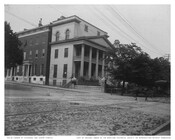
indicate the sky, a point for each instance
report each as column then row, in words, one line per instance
column 146, row 25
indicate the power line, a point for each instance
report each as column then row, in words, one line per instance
column 131, row 27
column 50, row 6
column 113, row 24
column 104, row 21
column 24, row 20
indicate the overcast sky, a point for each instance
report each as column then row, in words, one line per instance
column 146, row 25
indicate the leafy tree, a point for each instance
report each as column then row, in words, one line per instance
column 120, row 58
column 13, row 53
column 127, row 62
column 141, row 72
column 160, row 69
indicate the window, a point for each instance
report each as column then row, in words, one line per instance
column 56, row 53
column 17, row 68
column 41, row 79
column 24, row 55
column 66, row 52
column 34, row 79
column 36, row 41
column 30, row 42
column 25, row 43
column 55, row 71
column 65, row 71
column 43, row 40
column 57, row 35
column 67, row 34
column 86, row 28
column 36, row 54
column 98, row 33
column 43, row 52
column 30, row 53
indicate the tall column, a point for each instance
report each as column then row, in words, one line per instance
column 30, row 70
column 11, row 72
column 96, row 69
column 23, row 69
column 73, row 62
column 15, row 71
column 90, row 62
column 82, row 60
column 103, row 64
column 27, row 70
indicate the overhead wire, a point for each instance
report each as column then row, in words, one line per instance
column 124, row 34
column 115, row 25
column 126, row 22
column 24, row 20
column 103, row 19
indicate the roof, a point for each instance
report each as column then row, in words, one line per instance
column 61, row 21
column 28, row 30
column 98, row 40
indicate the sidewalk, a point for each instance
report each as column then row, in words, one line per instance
column 46, row 86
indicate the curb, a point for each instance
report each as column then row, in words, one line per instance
column 163, row 127
column 50, row 87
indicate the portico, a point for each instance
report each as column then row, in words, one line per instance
column 27, row 71
column 88, row 61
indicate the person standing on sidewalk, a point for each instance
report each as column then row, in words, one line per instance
column 74, row 81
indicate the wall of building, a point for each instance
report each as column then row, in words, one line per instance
column 62, row 29
column 76, row 30
column 31, row 44
column 92, row 31
column 60, row 61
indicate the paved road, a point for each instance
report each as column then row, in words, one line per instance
column 17, row 92
column 21, row 91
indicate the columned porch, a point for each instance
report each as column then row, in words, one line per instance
column 88, row 62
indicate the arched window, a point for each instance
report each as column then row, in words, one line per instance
column 57, row 35
column 67, row 33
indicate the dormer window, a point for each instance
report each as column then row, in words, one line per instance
column 67, row 34
column 86, row 28
column 57, row 35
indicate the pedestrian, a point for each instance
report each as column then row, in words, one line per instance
column 146, row 94
column 136, row 92
column 74, row 81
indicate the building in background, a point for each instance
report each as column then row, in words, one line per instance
column 64, row 48
column 77, row 49
column 35, row 45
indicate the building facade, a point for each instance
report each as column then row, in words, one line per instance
column 35, row 45
column 77, row 49
column 66, row 47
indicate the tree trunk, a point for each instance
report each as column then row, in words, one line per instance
column 123, row 88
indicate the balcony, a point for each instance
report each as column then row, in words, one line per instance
column 86, row 59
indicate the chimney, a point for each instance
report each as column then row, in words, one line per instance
column 116, row 43
column 40, row 23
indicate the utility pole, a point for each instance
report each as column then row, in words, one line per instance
column 167, row 56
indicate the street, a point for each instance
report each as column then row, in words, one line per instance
column 41, row 111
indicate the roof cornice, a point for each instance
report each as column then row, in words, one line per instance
column 82, row 38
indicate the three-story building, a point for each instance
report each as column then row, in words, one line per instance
column 77, row 49
column 64, row 48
